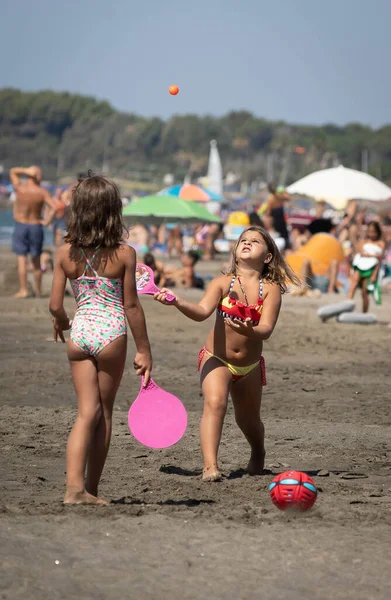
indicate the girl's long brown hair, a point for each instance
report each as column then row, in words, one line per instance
column 277, row 270
column 95, row 216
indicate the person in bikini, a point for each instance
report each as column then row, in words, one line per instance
column 185, row 277
column 101, row 270
column 28, row 233
column 247, row 302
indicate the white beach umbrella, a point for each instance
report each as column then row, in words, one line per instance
column 338, row 185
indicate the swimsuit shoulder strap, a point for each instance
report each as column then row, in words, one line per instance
column 89, row 262
column 260, row 288
column 232, row 284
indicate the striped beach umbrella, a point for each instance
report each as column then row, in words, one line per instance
column 189, row 191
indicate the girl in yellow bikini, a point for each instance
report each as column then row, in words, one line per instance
column 247, row 302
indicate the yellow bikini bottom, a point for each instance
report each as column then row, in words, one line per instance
column 236, row 371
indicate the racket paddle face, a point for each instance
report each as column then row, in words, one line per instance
column 157, row 419
column 146, row 284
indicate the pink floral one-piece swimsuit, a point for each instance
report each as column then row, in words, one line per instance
column 100, row 316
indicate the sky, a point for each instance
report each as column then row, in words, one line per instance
column 301, row 61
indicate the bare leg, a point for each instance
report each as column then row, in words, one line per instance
column 178, row 241
column 305, row 276
column 375, row 273
column 161, row 234
column 36, row 262
column 215, row 384
column 306, row 273
column 333, row 274
column 209, row 243
column 22, row 272
column 354, row 284
column 246, row 396
column 110, row 363
column 365, row 296
column 170, row 242
column 85, row 379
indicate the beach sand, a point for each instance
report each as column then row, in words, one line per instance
column 167, row 535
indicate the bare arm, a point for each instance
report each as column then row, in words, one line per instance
column 136, row 318
column 52, row 208
column 206, row 306
column 66, row 196
column 61, row 320
column 270, row 311
column 16, row 173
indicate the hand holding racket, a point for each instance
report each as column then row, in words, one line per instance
column 164, row 296
column 143, row 366
column 146, row 285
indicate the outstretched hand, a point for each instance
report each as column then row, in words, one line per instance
column 245, row 328
column 161, row 296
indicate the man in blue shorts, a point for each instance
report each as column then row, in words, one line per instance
column 27, row 238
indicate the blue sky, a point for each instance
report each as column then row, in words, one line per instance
column 303, row 61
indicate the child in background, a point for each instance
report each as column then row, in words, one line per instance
column 366, row 264
column 101, row 271
column 247, row 301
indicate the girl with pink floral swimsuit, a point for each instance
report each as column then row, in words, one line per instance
column 102, row 272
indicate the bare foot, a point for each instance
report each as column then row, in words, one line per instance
column 21, row 295
column 298, row 291
column 315, row 293
column 83, row 498
column 256, row 464
column 211, row 473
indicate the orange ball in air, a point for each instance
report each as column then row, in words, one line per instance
column 173, row 89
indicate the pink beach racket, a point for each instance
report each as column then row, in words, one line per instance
column 156, row 418
column 145, row 282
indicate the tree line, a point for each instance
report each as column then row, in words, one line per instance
column 67, row 133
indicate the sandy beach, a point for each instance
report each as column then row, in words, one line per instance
column 167, row 535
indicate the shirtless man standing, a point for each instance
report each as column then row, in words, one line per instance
column 28, row 233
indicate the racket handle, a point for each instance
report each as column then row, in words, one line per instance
column 170, row 298
column 151, row 384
